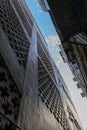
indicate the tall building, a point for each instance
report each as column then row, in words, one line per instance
column 79, row 56
column 33, row 95
column 69, row 58
column 69, row 19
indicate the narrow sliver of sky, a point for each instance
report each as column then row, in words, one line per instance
column 45, row 24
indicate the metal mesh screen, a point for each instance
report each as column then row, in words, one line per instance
column 50, row 96
column 11, row 26
column 10, row 97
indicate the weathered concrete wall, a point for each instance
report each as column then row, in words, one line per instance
column 29, row 107
column 34, row 114
column 47, row 119
column 16, row 70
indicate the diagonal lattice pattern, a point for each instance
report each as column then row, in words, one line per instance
column 27, row 22
column 10, row 97
column 50, row 96
column 45, row 60
column 12, row 28
column 42, row 41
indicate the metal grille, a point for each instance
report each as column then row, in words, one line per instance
column 50, row 96
column 45, row 60
column 11, row 26
column 10, row 97
column 28, row 24
column 7, row 124
column 72, row 118
column 42, row 42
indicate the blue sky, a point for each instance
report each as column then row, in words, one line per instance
column 47, row 27
column 45, row 24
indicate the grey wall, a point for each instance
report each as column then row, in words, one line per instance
column 34, row 114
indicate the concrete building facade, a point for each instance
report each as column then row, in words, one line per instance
column 69, row 58
column 80, row 57
column 33, row 95
column 70, row 23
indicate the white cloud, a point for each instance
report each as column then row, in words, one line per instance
column 53, row 39
column 53, row 42
column 80, row 104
